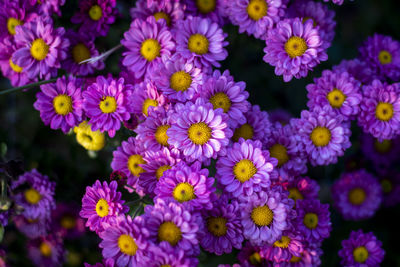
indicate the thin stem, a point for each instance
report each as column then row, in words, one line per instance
column 137, row 210
column 3, row 92
column 102, row 56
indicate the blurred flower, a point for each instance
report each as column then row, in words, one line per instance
column 90, row 140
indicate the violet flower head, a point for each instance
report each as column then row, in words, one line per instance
column 303, row 188
column 46, row 251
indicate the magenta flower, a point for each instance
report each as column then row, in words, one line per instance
column 66, row 221
column 46, row 251
column 215, row 10
column 303, row 188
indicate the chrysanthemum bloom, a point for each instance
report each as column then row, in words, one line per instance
column 47, row 7
column 223, row 92
column 294, row 48
column 100, row 204
column 380, row 110
column 35, row 193
column 170, row 11
column 382, row 154
column 60, row 104
column 290, row 245
column 90, row 140
column 245, row 168
column 200, row 132
column 360, row 70
column 313, row 220
column 255, row 17
column 106, row 104
column 147, row 42
column 128, row 159
column 283, row 145
column 32, row 227
column 200, row 40
column 361, row 249
column 338, row 90
column 303, row 188
column 81, row 48
column 166, row 255
column 265, row 215
column 309, row 257
column 177, row 78
column 357, row 195
column 95, row 16
column 187, row 184
column 66, row 221
column 124, row 240
column 168, row 221
column 46, row 251
column 41, row 48
column 279, row 115
column 16, row 74
column 257, row 125
column 382, row 53
column 249, row 256
column 216, row 10
column 319, row 14
column 157, row 162
column 144, row 98
column 390, row 184
column 324, row 134
column 223, row 229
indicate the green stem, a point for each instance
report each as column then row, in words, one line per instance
column 3, row 92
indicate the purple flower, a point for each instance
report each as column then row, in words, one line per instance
column 41, row 48
column 47, row 7
column 257, row 125
column 265, row 215
column 147, row 42
column 216, row 10
column 46, row 251
column 361, row 249
column 66, row 221
column 338, row 90
column 95, row 16
column 255, row 17
column 310, row 257
column 294, row 48
column 169, row 222
column 313, row 220
column 382, row 53
column 245, row 168
column 60, row 103
column 166, row 255
column 279, row 115
column 290, row 245
column 360, row 70
column 100, row 204
column 187, row 184
column 324, row 134
column 200, row 40
column 303, row 188
column 32, row 227
column 380, row 110
column 223, row 229
column 223, row 92
column 124, row 240
column 357, row 195
column 200, row 132
column 249, row 256
column 390, row 184
column 106, row 102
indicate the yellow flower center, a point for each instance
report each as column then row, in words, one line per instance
column 32, row 196
column 198, row 44
column 262, row 215
column 12, row 23
column 384, row 111
column 68, row 222
column 160, row 171
column 279, row 152
column 385, row 57
column 255, row 259
column 39, row 49
column 307, row 18
column 295, row 46
column 180, row 81
column 295, row 259
column 150, row 49
column 134, row 162
column 336, row 98
column 221, row 100
column 217, row 226
column 383, row 147
column 360, row 254
column 283, row 243
column 15, row 67
column 169, row 232
column 163, row 15
column 295, row 194
column 199, row 133
column 87, row 138
column 108, row 104
column 102, row 207
column 80, row 52
column 244, row 170
column 310, row 220
column 161, row 135
column 206, row 6
column 45, row 249
column 245, row 131
column 148, row 103
column 320, row 136
column 256, row 9
column 357, row 196
column 387, row 186
column 95, row 12
column 183, row 192
column 62, row 104
column 127, row 245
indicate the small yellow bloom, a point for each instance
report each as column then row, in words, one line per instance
column 91, row 140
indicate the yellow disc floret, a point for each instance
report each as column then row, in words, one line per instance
column 150, row 49
column 320, row 136
column 221, row 100
column 385, row 57
column 161, row 134
column 295, row 194
column 255, row 259
column 183, row 192
column 134, row 162
column 11, row 24
column 384, row 111
column 39, row 49
column 62, row 104
column 357, row 196
column 283, row 243
column 68, row 222
column 45, row 249
column 262, row 215
column 127, row 245
column 244, row 170
column 15, row 67
column 383, row 147
column 360, row 254
column 279, row 152
column 80, row 52
column 256, row 9
column 32, row 196
column 310, row 220
column 206, row 6
column 160, row 171
column 169, row 232
column 198, row 44
column 102, row 207
column 163, row 15
column 95, row 12
column 108, row 104
column 336, row 98
column 199, row 133
column 180, row 81
column 148, row 103
column 217, row 226
column 245, row 131
column 295, row 46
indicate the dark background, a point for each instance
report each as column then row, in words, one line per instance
column 23, row 135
